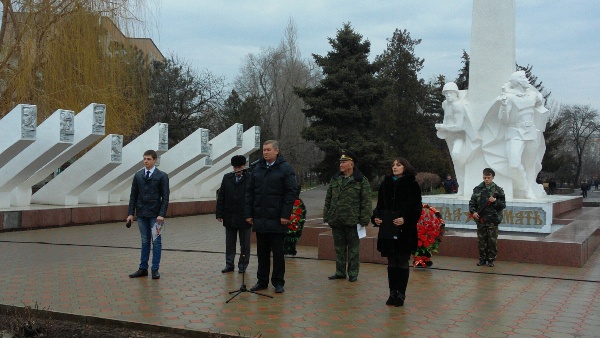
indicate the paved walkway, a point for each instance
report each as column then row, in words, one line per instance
column 83, row 270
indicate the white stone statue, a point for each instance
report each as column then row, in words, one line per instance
column 522, row 120
column 457, row 130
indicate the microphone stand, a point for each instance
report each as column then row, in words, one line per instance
column 243, row 289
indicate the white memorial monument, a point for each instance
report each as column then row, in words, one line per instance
column 221, row 146
column 497, row 123
column 88, row 132
column 184, row 154
column 18, row 130
column 65, row 188
column 207, row 183
column 53, row 136
column 132, row 160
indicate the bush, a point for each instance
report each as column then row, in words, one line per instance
column 428, row 182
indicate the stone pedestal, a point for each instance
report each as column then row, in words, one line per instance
column 533, row 216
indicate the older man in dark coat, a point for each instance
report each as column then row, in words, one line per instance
column 270, row 196
column 230, row 211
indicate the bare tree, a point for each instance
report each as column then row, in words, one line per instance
column 271, row 77
column 579, row 123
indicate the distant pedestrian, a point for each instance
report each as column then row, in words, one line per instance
column 149, row 200
column 596, row 183
column 552, row 186
column 450, row 185
column 486, row 205
column 584, row 188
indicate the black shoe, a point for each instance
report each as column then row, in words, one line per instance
column 352, row 279
column 279, row 289
column 336, row 277
column 490, row 264
column 227, row 269
column 481, row 262
column 258, row 287
column 155, row 274
column 139, row 273
column 400, row 299
column 242, row 270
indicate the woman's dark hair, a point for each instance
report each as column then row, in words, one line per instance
column 408, row 168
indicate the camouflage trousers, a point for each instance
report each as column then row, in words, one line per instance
column 347, row 249
column 487, row 241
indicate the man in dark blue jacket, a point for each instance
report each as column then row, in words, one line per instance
column 230, row 211
column 149, row 200
column 270, row 195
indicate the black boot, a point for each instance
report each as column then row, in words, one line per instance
column 393, row 283
column 392, row 298
column 402, row 284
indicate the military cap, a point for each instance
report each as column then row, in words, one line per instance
column 347, row 155
column 238, row 161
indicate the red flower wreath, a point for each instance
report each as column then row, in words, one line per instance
column 430, row 229
column 298, row 217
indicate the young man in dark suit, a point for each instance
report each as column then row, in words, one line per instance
column 149, row 200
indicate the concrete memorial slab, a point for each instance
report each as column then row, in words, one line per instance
column 132, row 154
column 207, row 183
column 190, row 150
column 90, row 128
column 221, row 146
column 65, row 188
column 18, row 130
column 53, row 136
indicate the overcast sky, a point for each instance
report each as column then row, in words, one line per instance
column 558, row 37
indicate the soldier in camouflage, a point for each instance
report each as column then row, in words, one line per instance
column 485, row 206
column 347, row 204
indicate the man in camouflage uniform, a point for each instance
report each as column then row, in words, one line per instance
column 485, row 206
column 347, row 204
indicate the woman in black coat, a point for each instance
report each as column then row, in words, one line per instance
column 397, row 213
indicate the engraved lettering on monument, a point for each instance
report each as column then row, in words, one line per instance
column 67, row 126
column 116, row 150
column 99, row 119
column 28, row 122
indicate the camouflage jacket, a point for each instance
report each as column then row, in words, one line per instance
column 348, row 200
column 491, row 213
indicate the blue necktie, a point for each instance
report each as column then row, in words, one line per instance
column 148, row 174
